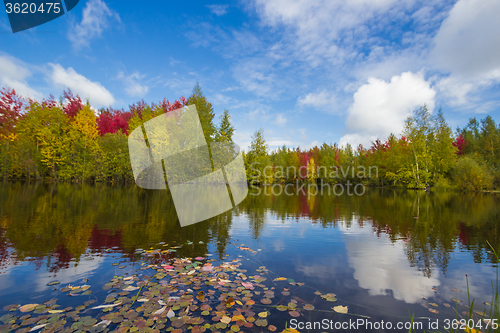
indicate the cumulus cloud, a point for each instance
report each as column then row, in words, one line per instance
column 322, row 100
column 96, row 16
column 132, row 85
column 468, row 48
column 13, row 74
column 218, row 10
column 79, row 84
column 380, row 108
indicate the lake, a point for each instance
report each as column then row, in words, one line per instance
column 281, row 260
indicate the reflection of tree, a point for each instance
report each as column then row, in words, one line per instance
column 431, row 224
column 61, row 221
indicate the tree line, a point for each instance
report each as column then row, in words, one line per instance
column 68, row 140
column 427, row 154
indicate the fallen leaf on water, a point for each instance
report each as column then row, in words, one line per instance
column 263, row 314
column 53, row 283
column 37, row 327
column 309, row 307
column 105, row 306
column 294, row 313
column 280, row 279
column 433, row 304
column 225, row 320
column 247, row 285
column 433, row 310
column 456, row 290
column 27, row 307
column 55, row 311
column 340, row 309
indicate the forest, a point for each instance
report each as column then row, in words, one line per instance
column 68, row 140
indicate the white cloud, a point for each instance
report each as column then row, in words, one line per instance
column 280, row 119
column 318, row 26
column 322, row 100
column 132, row 86
column 95, row 18
column 218, row 10
column 254, row 75
column 467, row 43
column 79, row 84
column 13, row 74
column 468, row 47
column 380, row 108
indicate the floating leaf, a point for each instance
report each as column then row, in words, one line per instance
column 263, row 314
column 261, row 322
column 456, row 300
column 456, row 290
column 28, row 307
column 294, row 313
column 433, row 304
column 272, row 328
column 309, row 307
column 37, row 327
column 265, row 301
column 340, row 309
column 53, row 283
column 433, row 310
column 280, row 279
column 282, row 308
column 225, row 320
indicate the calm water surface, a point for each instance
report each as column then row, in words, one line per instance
column 385, row 254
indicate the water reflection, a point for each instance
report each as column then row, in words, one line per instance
column 55, row 224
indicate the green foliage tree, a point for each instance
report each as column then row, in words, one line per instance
column 257, row 159
column 205, row 112
column 224, row 132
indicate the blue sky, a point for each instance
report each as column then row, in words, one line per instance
column 307, row 72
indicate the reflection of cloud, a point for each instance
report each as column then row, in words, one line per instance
column 382, row 267
column 66, row 276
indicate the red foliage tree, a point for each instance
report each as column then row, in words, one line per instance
column 11, row 106
column 73, row 104
column 112, row 121
column 461, row 144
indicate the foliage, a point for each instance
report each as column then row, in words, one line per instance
column 205, row 112
column 471, row 175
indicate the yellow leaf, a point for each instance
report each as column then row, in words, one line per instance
column 238, row 317
column 340, row 309
column 280, row 279
column 263, row 314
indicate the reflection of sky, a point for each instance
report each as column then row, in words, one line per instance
column 383, row 268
